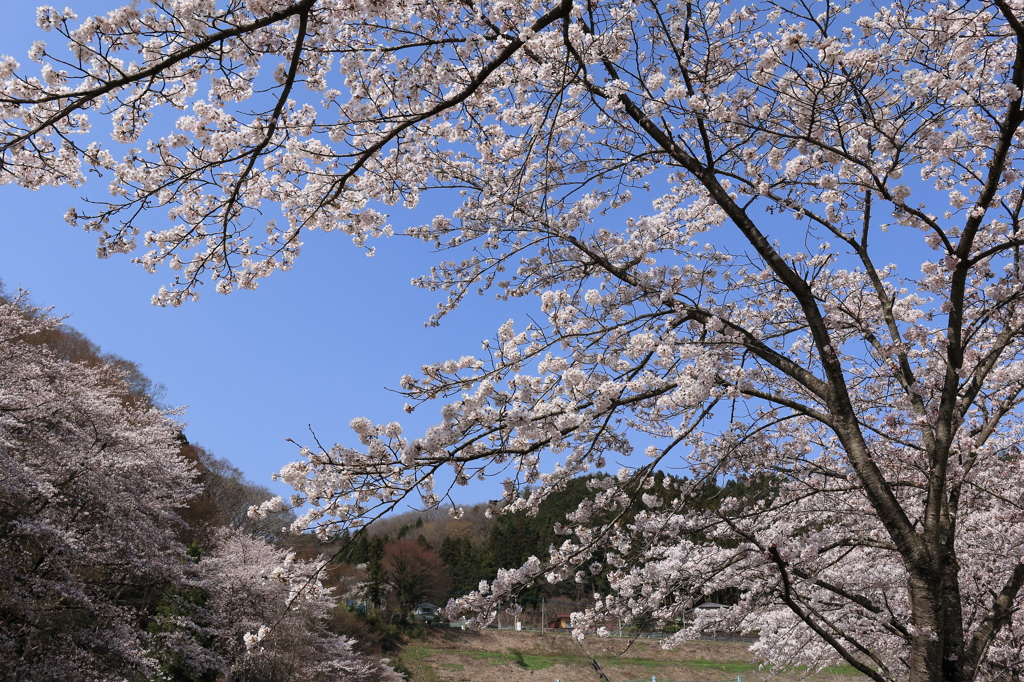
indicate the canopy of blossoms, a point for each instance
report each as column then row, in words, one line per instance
column 799, row 218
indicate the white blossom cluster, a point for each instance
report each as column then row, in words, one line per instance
column 90, row 482
column 820, row 299
column 96, row 584
column 273, row 608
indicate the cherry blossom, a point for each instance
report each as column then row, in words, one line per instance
column 88, row 497
column 775, row 243
column 271, row 609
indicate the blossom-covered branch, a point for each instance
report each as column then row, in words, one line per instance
column 821, row 296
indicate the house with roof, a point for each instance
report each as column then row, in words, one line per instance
column 427, row 612
column 560, row 621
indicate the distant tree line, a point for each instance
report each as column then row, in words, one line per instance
column 459, row 554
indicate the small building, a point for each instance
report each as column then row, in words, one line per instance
column 560, row 621
column 427, row 612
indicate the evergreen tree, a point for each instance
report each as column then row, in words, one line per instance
column 376, row 581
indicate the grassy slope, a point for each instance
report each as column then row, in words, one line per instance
column 455, row 656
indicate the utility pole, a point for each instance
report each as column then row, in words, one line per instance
column 543, row 623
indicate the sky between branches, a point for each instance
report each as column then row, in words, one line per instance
column 315, row 346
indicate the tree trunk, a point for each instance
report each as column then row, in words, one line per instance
column 937, row 644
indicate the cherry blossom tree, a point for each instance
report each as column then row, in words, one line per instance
column 96, row 583
column 90, row 482
column 821, row 292
column 272, row 613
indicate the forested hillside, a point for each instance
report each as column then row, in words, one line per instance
column 474, row 547
column 127, row 551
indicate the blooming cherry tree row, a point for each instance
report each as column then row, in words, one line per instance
column 88, row 496
column 97, row 584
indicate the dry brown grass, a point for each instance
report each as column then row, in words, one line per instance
column 492, row 656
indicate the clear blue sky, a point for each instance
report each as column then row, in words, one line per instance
column 313, row 346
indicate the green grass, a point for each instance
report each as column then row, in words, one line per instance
column 740, row 668
column 517, row 658
column 411, row 659
column 542, row 661
column 414, row 657
column 844, row 670
column 832, row 669
column 732, row 668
